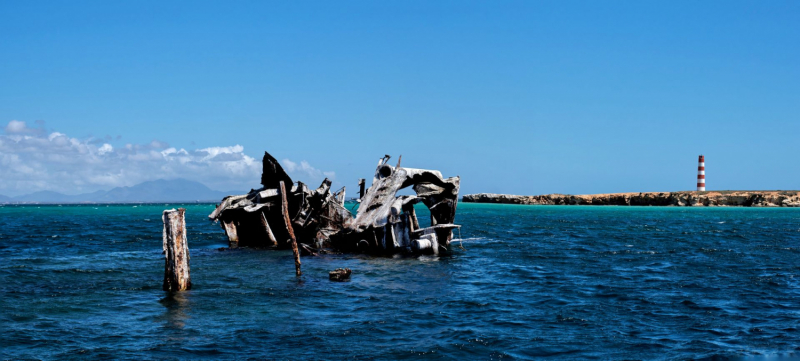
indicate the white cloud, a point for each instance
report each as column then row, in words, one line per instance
column 289, row 166
column 15, row 126
column 305, row 169
column 50, row 137
column 31, row 160
column 215, row 151
column 106, row 148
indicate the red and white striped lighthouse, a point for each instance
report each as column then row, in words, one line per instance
column 701, row 174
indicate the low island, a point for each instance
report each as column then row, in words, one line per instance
column 683, row 198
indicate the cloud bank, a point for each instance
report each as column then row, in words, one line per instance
column 306, row 169
column 32, row 160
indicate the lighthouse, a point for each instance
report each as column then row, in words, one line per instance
column 701, row 174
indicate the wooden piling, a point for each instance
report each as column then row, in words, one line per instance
column 230, row 230
column 288, row 221
column 340, row 195
column 176, row 251
column 412, row 216
column 273, row 242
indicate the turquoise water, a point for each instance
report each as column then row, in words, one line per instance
column 530, row 281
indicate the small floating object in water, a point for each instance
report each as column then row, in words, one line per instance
column 340, row 274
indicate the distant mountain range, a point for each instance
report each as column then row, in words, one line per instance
column 176, row 190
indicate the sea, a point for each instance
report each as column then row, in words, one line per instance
column 520, row 283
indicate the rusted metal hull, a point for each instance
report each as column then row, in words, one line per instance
column 384, row 224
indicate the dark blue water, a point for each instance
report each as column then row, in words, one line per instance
column 531, row 281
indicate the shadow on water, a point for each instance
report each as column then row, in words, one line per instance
column 178, row 309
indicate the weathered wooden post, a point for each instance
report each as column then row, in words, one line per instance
column 230, row 230
column 340, row 196
column 176, row 251
column 273, row 242
column 412, row 216
column 288, row 221
column 361, row 184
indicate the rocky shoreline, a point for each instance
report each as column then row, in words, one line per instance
column 686, row 198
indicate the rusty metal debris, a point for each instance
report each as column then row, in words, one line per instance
column 340, row 274
column 385, row 223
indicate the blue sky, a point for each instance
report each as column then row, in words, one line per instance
column 515, row 97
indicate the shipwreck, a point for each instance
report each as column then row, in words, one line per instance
column 285, row 214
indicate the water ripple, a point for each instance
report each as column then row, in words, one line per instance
column 524, row 282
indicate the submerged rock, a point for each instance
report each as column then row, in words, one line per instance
column 340, row 274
